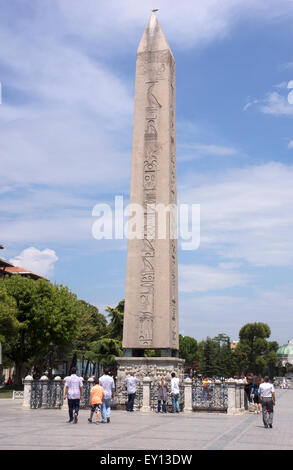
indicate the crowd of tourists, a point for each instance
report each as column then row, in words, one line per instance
column 103, row 392
column 261, row 397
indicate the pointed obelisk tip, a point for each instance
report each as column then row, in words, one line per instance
column 153, row 37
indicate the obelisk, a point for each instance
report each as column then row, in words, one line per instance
column 151, row 312
column 151, row 298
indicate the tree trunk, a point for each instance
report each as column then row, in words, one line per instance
column 73, row 362
column 19, row 373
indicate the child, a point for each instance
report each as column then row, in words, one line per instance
column 96, row 400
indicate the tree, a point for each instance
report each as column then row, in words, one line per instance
column 91, row 326
column 44, row 314
column 104, row 351
column 208, row 357
column 116, row 316
column 255, row 351
column 223, row 356
column 188, row 350
column 8, row 321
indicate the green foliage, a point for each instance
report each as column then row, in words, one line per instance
column 41, row 313
column 254, row 352
column 188, row 350
column 9, row 325
column 215, row 356
column 150, row 353
column 104, row 351
column 116, row 316
column 208, row 357
column 91, row 325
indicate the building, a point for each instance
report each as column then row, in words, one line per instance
column 8, row 269
column 285, row 359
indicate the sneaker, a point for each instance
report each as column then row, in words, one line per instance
column 270, row 425
column 75, row 419
column 108, row 420
column 90, row 420
column 70, row 421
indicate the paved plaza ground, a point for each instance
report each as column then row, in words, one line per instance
column 40, row 429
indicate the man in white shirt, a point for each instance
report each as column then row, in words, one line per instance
column 131, row 390
column 267, row 397
column 73, row 393
column 175, row 393
column 107, row 382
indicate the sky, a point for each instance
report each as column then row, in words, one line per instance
column 67, row 74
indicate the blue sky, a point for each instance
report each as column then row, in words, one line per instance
column 67, row 71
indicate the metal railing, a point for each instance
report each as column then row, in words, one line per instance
column 46, row 394
column 210, row 396
column 154, row 389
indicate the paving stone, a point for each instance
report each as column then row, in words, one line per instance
column 42, row 429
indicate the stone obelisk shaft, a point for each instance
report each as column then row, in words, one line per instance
column 151, row 300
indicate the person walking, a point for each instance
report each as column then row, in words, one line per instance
column 131, row 390
column 107, row 382
column 247, row 388
column 96, row 400
column 162, row 394
column 175, row 393
column 73, row 393
column 255, row 394
column 268, row 401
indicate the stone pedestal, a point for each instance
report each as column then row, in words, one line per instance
column 235, row 398
column 148, row 370
column 146, row 394
column 187, row 396
column 27, row 391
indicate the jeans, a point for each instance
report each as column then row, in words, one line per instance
column 73, row 404
column 267, row 411
column 164, row 406
column 106, row 409
column 131, row 397
column 175, row 403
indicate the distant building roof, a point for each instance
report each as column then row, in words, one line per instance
column 10, row 270
column 4, row 263
column 285, row 354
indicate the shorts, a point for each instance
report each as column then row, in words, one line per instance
column 95, row 407
column 256, row 399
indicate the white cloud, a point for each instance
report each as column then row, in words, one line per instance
column 188, row 25
column 277, row 105
column 249, row 104
column 281, row 85
column 200, row 278
column 38, row 261
column 207, row 314
column 290, row 145
column 246, row 214
column 202, row 150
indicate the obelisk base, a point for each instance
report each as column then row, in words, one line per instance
column 141, row 367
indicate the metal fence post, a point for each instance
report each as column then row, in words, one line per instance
column 44, row 381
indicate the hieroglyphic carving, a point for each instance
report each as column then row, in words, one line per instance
column 151, row 152
column 151, row 98
column 173, row 199
column 153, row 64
